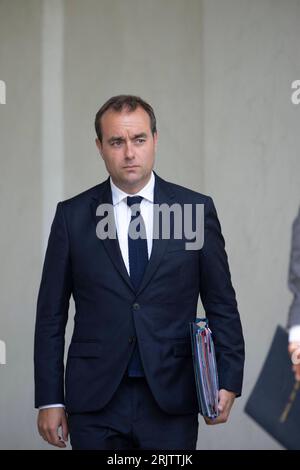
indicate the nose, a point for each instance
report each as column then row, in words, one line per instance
column 129, row 151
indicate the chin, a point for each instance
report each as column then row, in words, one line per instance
column 133, row 177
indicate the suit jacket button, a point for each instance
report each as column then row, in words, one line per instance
column 136, row 306
column 131, row 339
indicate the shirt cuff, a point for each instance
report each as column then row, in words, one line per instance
column 56, row 405
column 294, row 334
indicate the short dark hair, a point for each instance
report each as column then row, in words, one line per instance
column 127, row 102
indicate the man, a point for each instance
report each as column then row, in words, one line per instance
column 294, row 285
column 129, row 375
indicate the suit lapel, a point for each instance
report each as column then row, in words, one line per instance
column 110, row 244
column 162, row 195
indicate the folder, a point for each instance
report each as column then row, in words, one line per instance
column 274, row 402
column 205, row 368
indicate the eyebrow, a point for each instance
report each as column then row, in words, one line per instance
column 119, row 138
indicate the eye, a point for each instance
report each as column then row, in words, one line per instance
column 140, row 140
column 116, row 143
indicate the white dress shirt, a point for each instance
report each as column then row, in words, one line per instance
column 122, row 213
column 294, row 334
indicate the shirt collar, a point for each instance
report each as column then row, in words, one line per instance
column 147, row 192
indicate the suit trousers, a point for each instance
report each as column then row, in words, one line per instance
column 133, row 420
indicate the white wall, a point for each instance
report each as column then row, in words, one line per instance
column 252, row 166
column 21, row 214
column 148, row 48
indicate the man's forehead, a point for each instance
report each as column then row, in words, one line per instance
column 126, row 116
column 138, row 120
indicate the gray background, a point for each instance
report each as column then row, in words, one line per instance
column 218, row 74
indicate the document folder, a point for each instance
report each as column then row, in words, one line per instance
column 274, row 402
column 205, row 368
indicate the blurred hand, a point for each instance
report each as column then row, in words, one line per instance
column 49, row 421
column 226, row 400
column 294, row 351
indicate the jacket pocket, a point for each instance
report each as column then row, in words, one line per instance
column 179, row 246
column 84, row 350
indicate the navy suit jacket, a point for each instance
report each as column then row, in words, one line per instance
column 110, row 316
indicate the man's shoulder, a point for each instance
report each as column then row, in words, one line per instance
column 185, row 194
column 181, row 193
column 86, row 195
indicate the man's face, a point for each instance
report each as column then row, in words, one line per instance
column 127, row 148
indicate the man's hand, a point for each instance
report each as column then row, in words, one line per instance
column 226, row 400
column 294, row 351
column 49, row 421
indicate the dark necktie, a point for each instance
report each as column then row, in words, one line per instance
column 138, row 259
column 137, row 248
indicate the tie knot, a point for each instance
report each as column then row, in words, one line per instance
column 131, row 200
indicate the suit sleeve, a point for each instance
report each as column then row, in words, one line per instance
column 219, row 301
column 52, row 314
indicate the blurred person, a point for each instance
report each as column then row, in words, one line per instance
column 294, row 311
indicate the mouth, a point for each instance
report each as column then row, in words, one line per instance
column 130, row 166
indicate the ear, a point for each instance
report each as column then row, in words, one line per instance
column 99, row 145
